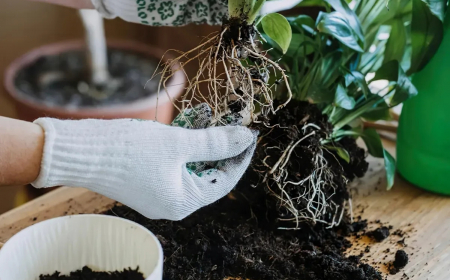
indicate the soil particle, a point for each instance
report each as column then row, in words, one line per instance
column 401, row 259
column 379, row 234
column 88, row 274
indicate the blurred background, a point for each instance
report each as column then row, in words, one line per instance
column 25, row 25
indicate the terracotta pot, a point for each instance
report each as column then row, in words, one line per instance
column 29, row 109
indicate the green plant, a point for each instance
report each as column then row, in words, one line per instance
column 232, row 66
column 334, row 58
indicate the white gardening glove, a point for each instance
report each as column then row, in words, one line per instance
column 164, row 12
column 143, row 163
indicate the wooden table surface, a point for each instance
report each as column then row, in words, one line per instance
column 424, row 216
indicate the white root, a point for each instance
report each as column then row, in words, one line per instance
column 228, row 77
column 317, row 203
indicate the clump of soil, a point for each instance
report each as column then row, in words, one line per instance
column 88, row 274
column 308, row 177
column 401, row 260
column 64, row 80
column 379, row 234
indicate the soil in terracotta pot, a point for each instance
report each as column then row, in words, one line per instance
column 239, row 235
column 64, row 80
column 88, row 274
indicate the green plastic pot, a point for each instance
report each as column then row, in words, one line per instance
column 423, row 143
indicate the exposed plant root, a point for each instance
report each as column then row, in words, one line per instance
column 308, row 180
column 317, row 204
column 233, row 75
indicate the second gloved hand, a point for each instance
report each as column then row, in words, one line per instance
column 143, row 163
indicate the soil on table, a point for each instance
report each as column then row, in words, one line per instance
column 238, row 237
column 64, row 80
column 88, row 274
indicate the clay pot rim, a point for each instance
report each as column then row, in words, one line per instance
column 174, row 86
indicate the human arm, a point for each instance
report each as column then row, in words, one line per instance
column 155, row 12
column 21, row 146
column 142, row 164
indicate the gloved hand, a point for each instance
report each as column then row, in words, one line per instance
column 164, row 12
column 143, row 163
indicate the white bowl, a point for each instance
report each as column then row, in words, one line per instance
column 66, row 244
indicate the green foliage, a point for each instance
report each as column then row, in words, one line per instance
column 375, row 148
column 403, row 89
column 278, row 29
column 426, row 35
column 337, row 26
column 330, row 58
column 389, row 166
column 275, row 26
column 342, row 153
column 414, row 29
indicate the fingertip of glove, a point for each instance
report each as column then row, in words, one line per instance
column 242, row 135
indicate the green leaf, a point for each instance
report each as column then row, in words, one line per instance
column 342, row 99
column 342, row 7
column 373, row 142
column 437, row 7
column 426, row 35
column 341, row 133
column 341, row 152
column 395, row 47
column 380, row 112
column 359, row 79
column 404, row 89
column 301, row 45
column 325, row 73
column 375, row 148
column 337, row 26
column 303, row 20
column 389, row 166
column 278, row 29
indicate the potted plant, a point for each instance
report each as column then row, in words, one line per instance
column 91, row 79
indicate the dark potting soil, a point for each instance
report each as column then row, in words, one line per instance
column 238, row 237
column 63, row 80
column 379, row 234
column 305, row 125
column 401, row 260
column 88, row 274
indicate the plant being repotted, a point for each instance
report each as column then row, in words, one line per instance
column 288, row 218
column 307, row 91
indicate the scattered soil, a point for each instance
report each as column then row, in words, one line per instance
column 88, row 274
column 63, row 80
column 237, row 237
column 379, row 234
column 401, row 260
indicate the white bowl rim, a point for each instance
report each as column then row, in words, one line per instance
column 82, row 216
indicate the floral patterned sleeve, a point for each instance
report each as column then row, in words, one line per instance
column 164, row 12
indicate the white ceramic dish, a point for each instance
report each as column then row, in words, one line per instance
column 65, row 244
